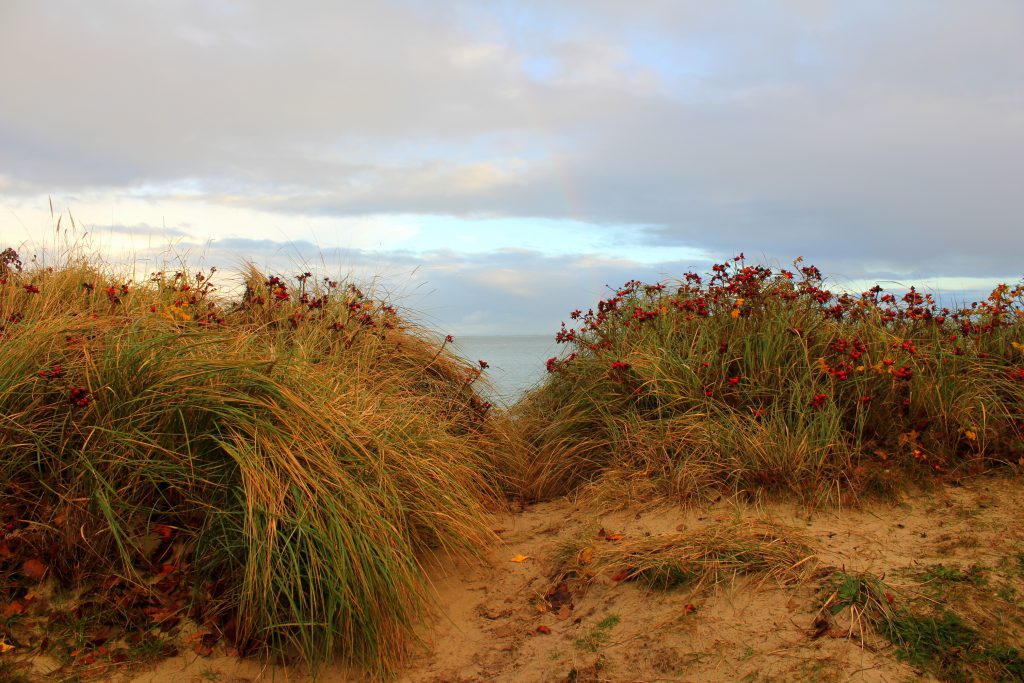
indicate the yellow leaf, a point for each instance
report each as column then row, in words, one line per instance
column 970, row 435
column 586, row 555
column 5, row 647
column 520, row 558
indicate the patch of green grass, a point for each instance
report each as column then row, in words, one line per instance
column 1007, row 592
column 954, row 650
column 974, row 575
column 599, row 635
column 933, row 638
column 939, row 642
column 667, row 576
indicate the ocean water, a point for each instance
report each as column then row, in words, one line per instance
column 516, row 362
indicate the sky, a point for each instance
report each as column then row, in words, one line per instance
column 495, row 165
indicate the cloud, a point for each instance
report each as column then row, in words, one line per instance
column 868, row 137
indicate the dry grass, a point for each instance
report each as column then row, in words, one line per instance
column 767, row 383
column 693, row 558
column 288, row 454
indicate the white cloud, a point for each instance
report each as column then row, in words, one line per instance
column 872, row 138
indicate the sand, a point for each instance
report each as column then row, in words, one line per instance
column 492, row 621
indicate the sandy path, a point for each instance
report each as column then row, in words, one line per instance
column 486, row 623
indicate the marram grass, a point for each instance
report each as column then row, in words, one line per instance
column 767, row 382
column 299, row 447
column 694, row 558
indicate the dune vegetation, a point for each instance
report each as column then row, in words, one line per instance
column 766, row 382
column 275, row 465
column 272, row 465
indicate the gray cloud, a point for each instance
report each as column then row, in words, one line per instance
column 869, row 137
column 511, row 291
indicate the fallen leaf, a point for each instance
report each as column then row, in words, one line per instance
column 160, row 614
column 614, row 537
column 34, row 569
column 586, row 555
column 621, row 575
column 546, row 630
column 601, row 533
column 5, row 646
column 12, row 609
column 197, row 636
column 819, row 628
column 520, row 558
column 559, row 595
column 690, row 608
column 563, row 613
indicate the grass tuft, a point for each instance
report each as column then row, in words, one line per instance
column 944, row 637
column 768, row 383
column 272, row 465
column 694, row 558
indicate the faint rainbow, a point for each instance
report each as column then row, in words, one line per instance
column 573, row 197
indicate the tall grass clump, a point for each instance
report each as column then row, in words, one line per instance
column 694, row 558
column 767, row 382
column 273, row 465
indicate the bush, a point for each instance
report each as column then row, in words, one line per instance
column 764, row 381
column 280, row 461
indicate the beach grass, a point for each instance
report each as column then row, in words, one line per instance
column 272, row 464
column 765, row 382
column 946, row 633
column 692, row 559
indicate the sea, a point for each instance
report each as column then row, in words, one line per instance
column 516, row 363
